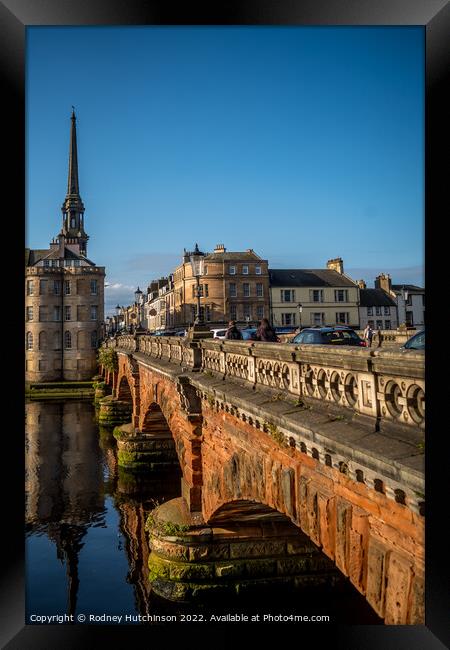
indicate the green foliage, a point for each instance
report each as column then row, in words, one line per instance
column 107, row 357
column 164, row 527
column 276, row 434
column 421, row 444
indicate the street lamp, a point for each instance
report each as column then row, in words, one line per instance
column 199, row 330
column 197, row 264
column 137, row 299
column 300, row 309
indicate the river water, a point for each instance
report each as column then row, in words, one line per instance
column 86, row 547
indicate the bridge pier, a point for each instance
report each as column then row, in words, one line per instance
column 113, row 411
column 197, row 562
column 143, row 452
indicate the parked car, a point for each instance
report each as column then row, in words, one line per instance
column 328, row 336
column 416, row 342
column 285, row 330
column 248, row 333
column 219, row 333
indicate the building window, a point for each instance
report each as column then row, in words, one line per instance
column 57, row 341
column 94, row 339
column 93, row 312
column 207, row 313
column 247, row 312
column 387, row 311
column 67, row 312
column 387, row 324
column 316, row 295
column 342, row 317
column 287, row 295
column 72, row 222
column 56, row 287
column 29, row 341
column 317, row 318
column 43, row 314
column 30, row 287
column 93, row 287
column 233, row 312
column 246, row 289
column 244, row 269
column 371, row 323
column 370, row 311
column 409, row 300
column 340, row 295
column 42, row 364
column 77, row 263
column 259, row 289
column 409, row 318
column 46, row 262
column 260, row 311
column 42, row 287
column 56, row 313
column 204, row 290
column 288, row 319
column 205, row 269
column 42, row 341
column 67, row 287
column 232, row 270
column 377, row 311
column 257, row 270
column 379, row 324
column 233, row 292
column 67, row 340
column 29, row 313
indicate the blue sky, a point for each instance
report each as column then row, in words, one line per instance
column 303, row 143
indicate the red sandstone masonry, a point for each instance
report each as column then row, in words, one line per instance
column 376, row 542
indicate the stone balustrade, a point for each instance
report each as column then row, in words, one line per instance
column 385, row 384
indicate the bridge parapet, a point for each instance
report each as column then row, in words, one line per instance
column 383, row 384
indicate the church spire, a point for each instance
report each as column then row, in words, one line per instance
column 73, row 208
column 72, row 183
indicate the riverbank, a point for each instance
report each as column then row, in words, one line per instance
column 60, row 390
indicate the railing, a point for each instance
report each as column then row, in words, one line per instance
column 384, row 384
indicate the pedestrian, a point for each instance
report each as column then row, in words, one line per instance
column 233, row 332
column 368, row 335
column 265, row 332
column 380, row 338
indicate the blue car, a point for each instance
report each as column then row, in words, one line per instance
column 416, row 342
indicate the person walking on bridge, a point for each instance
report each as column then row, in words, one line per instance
column 368, row 335
column 233, row 332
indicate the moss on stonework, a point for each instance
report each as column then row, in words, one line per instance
column 169, row 528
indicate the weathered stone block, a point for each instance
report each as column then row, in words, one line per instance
column 188, row 572
column 376, row 569
column 399, row 574
column 263, row 568
column 230, row 570
column 209, row 552
column 259, row 549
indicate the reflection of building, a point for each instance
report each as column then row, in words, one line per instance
column 64, row 295
column 309, row 297
column 63, row 479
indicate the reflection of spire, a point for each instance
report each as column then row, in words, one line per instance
column 68, row 545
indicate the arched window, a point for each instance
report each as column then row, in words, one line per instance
column 94, row 339
column 29, row 341
column 42, row 340
column 67, row 340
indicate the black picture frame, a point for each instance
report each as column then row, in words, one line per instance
column 15, row 16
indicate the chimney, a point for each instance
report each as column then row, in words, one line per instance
column 336, row 264
column 62, row 245
column 220, row 248
column 383, row 281
column 362, row 284
column 249, row 250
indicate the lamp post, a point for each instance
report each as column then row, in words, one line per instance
column 197, row 259
column 300, row 309
column 116, row 329
column 137, row 300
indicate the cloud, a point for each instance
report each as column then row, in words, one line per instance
column 117, row 293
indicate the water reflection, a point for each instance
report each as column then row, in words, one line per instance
column 74, row 489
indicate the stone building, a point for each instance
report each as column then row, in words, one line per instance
column 377, row 307
column 327, row 296
column 64, row 295
column 235, row 285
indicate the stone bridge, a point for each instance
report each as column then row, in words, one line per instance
column 332, row 439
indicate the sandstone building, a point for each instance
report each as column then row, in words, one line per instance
column 64, row 295
column 327, row 296
column 235, row 285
